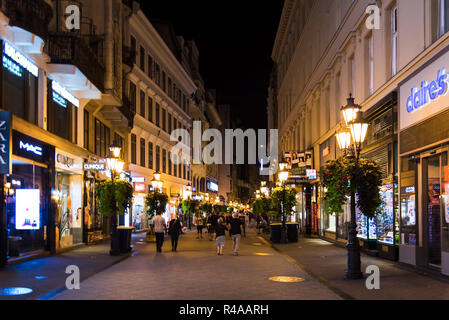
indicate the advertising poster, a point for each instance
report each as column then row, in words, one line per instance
column 27, row 209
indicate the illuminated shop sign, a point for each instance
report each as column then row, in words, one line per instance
column 12, row 67
column 420, row 97
column 212, row 186
column 138, row 179
column 61, row 94
column 94, row 167
column 19, row 58
column 311, row 174
column 28, row 147
column 139, row 187
column 5, row 138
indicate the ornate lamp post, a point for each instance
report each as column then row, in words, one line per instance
column 115, row 165
column 356, row 129
column 283, row 177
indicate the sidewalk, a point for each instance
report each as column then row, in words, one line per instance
column 46, row 276
column 327, row 263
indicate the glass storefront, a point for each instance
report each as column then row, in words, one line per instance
column 387, row 220
column 26, row 216
column 138, row 212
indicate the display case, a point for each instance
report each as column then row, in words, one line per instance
column 366, row 230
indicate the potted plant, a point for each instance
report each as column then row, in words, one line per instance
column 155, row 203
column 283, row 201
column 115, row 198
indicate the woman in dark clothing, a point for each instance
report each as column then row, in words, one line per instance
column 220, row 236
column 174, row 230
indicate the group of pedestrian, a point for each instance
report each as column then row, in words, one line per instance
column 235, row 228
column 160, row 228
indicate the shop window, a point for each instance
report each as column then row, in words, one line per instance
column 387, row 227
column 142, row 153
column 150, row 155
column 408, row 201
column 133, row 149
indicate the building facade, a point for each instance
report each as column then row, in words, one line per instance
column 326, row 50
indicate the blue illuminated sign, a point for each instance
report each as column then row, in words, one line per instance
column 19, row 58
column 59, row 100
column 428, row 92
column 12, row 67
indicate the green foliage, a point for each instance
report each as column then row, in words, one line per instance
column 286, row 196
column 206, row 207
column 155, row 203
column 262, row 205
column 367, row 179
column 189, row 206
column 121, row 191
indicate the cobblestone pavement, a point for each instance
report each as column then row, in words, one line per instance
column 195, row 272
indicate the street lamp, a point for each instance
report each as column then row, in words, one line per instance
column 358, row 129
column 156, row 182
column 115, row 165
column 283, row 177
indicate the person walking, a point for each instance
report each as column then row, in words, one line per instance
column 236, row 230
column 243, row 222
column 220, row 235
column 211, row 223
column 174, row 229
column 159, row 226
column 199, row 226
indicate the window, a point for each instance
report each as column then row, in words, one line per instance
column 169, row 163
column 175, row 167
column 352, row 75
column 132, row 96
column 133, row 149
column 371, row 64
column 158, row 115
column 133, row 46
column 102, row 139
column 184, row 175
column 158, row 159
column 164, row 84
column 150, row 67
column 394, row 41
column 150, row 109
column 142, row 58
column 120, row 142
column 170, row 88
column 86, row 134
column 150, row 155
column 443, row 17
column 142, row 103
column 169, row 123
column 142, row 152
column 188, row 171
column 164, row 120
column 180, row 168
column 157, row 74
column 164, row 161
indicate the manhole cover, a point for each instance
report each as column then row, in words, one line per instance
column 15, row 291
column 286, row 279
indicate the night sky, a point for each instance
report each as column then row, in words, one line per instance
column 235, row 40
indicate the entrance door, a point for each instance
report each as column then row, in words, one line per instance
column 433, row 206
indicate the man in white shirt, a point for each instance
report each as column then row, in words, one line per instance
column 159, row 227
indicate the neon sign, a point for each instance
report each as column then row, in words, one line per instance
column 420, row 97
column 20, row 59
column 12, row 67
column 62, row 92
column 59, row 100
column 30, row 148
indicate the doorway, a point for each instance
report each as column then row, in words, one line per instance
column 434, row 196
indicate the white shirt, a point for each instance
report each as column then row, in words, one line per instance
column 159, row 224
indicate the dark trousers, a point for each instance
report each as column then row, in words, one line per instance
column 174, row 241
column 159, row 241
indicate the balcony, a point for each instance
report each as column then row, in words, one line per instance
column 30, row 15
column 76, row 58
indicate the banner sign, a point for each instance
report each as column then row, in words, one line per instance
column 5, row 142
